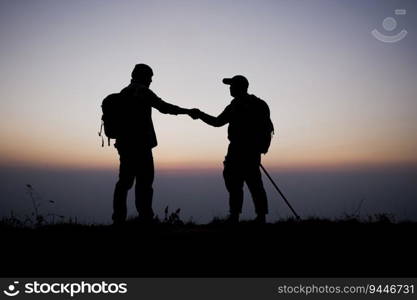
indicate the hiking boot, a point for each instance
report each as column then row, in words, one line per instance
column 144, row 220
column 232, row 219
column 260, row 219
column 118, row 223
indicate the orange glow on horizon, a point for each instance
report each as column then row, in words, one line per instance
column 110, row 162
column 52, row 150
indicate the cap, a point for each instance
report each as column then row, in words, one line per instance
column 238, row 80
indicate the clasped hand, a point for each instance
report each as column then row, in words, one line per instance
column 194, row 113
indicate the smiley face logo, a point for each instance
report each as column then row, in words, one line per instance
column 390, row 24
column 12, row 290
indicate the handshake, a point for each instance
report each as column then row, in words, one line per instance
column 194, row 113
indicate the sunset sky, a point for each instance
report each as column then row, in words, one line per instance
column 343, row 103
column 338, row 96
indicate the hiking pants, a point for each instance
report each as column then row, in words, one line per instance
column 134, row 165
column 241, row 168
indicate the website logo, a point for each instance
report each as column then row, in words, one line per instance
column 71, row 289
column 12, row 290
column 390, row 24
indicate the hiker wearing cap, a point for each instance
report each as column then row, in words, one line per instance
column 249, row 125
column 135, row 144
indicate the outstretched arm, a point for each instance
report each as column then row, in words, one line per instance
column 168, row 108
column 165, row 107
column 218, row 121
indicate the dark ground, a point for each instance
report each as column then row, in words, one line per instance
column 312, row 248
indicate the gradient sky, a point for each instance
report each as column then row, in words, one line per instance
column 338, row 97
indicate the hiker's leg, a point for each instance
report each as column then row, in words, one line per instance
column 123, row 185
column 254, row 182
column 234, row 184
column 144, row 181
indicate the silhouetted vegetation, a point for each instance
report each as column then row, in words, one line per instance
column 352, row 245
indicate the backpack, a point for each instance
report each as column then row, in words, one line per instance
column 251, row 125
column 112, row 117
column 266, row 131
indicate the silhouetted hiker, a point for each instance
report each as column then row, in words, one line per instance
column 135, row 142
column 249, row 133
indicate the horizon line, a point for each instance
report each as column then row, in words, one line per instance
column 219, row 166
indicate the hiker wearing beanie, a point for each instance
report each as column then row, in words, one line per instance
column 134, row 144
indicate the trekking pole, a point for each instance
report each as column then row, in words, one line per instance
column 279, row 191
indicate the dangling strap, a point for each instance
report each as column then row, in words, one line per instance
column 100, row 133
column 101, row 128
